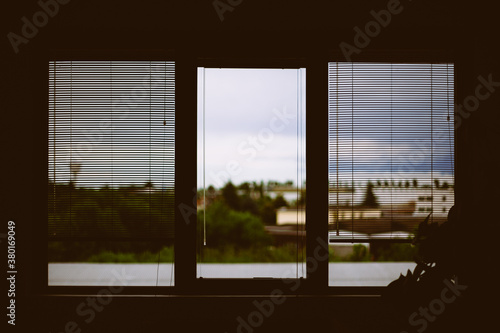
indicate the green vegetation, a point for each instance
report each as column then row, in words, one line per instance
column 165, row 255
column 228, row 228
column 267, row 254
column 397, row 252
column 100, row 225
column 360, row 253
column 90, row 218
column 252, row 199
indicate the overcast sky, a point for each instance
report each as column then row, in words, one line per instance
column 254, row 123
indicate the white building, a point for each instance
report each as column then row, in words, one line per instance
column 286, row 216
column 427, row 199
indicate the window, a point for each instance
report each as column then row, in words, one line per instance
column 111, row 172
column 391, row 124
column 251, row 173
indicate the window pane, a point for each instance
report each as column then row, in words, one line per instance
column 251, row 173
column 391, row 153
column 111, row 168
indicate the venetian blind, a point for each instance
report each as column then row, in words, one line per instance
column 111, row 149
column 391, row 148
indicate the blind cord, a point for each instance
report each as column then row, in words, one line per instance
column 392, row 179
column 55, row 137
column 204, row 171
column 337, row 146
column 163, row 173
column 450, row 123
column 298, row 185
column 352, row 150
column 71, row 144
column 432, row 149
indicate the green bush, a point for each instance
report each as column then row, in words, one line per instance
column 266, row 254
column 397, row 252
column 229, row 228
column 360, row 253
column 166, row 254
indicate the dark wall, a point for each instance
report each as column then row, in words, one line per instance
column 253, row 29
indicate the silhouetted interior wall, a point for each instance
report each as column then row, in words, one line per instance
column 252, row 29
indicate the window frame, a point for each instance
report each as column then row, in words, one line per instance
column 244, row 286
column 186, row 63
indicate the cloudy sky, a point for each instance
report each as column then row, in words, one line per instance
column 383, row 122
column 391, row 119
column 251, row 123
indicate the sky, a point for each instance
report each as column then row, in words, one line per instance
column 379, row 125
column 254, row 121
column 391, row 119
column 251, row 123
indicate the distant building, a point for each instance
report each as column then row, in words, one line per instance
column 424, row 199
column 287, row 216
column 356, row 213
column 289, row 192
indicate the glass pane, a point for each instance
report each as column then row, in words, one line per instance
column 111, row 172
column 251, row 173
column 391, row 153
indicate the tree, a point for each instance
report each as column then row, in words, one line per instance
column 370, row 199
column 280, row 201
column 211, row 192
column 259, row 188
column 229, row 228
column 267, row 212
column 436, row 183
column 230, row 196
column 247, row 204
column 415, row 183
column 245, row 187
